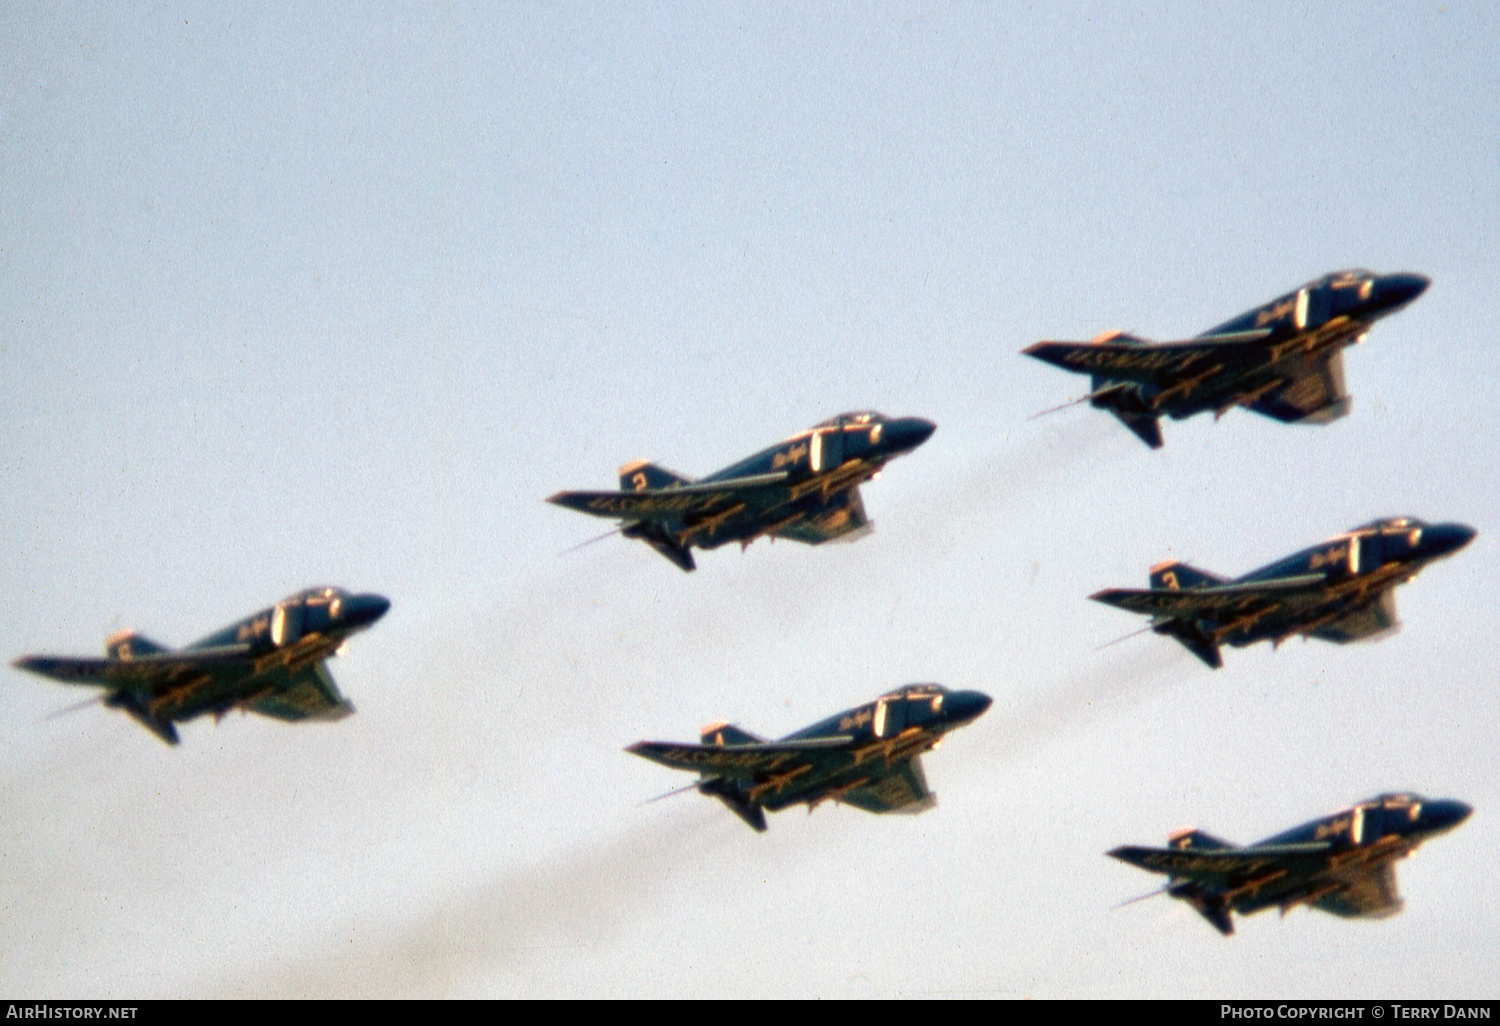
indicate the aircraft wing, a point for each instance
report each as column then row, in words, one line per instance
column 840, row 517
column 1368, row 894
column 144, row 672
column 309, row 693
column 743, row 762
column 687, row 503
column 1315, row 396
column 1368, row 621
column 1224, row 868
column 1163, row 364
column 1214, row 599
column 903, row 790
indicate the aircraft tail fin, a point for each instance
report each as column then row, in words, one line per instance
column 656, row 536
column 1196, row 840
column 730, row 795
column 127, row 644
column 1131, row 411
column 1174, row 575
column 1115, row 336
column 641, row 475
column 727, row 734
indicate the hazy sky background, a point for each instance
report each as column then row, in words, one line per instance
column 338, row 295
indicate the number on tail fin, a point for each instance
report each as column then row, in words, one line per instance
column 127, row 644
column 1176, row 575
column 641, row 476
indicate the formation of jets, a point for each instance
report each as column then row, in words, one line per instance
column 1283, row 360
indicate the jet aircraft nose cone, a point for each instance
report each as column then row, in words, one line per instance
column 963, row 706
column 906, row 434
column 1395, row 290
column 363, row 610
column 1445, row 814
column 1445, row 539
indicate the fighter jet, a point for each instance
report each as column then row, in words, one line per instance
column 1283, row 359
column 805, row 489
column 866, row 757
column 270, row 663
column 1342, row 590
column 1344, row 863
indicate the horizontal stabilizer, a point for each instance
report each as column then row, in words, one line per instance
column 657, row 537
column 133, row 705
column 730, row 795
column 1218, row 916
column 1195, row 641
column 1145, row 425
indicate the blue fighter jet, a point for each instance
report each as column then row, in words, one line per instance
column 1343, row 864
column 270, row 663
column 1340, row 591
column 866, row 757
column 805, row 489
column 1283, row 360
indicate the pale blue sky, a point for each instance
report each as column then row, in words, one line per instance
column 292, row 297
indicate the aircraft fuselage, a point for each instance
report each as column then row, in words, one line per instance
column 1341, row 864
column 1303, row 328
column 1359, row 839
column 268, row 662
column 1356, row 568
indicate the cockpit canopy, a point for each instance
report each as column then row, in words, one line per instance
column 1396, row 527
column 916, row 691
column 1385, row 814
column 855, row 419
column 1391, row 525
column 290, row 618
column 908, row 706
